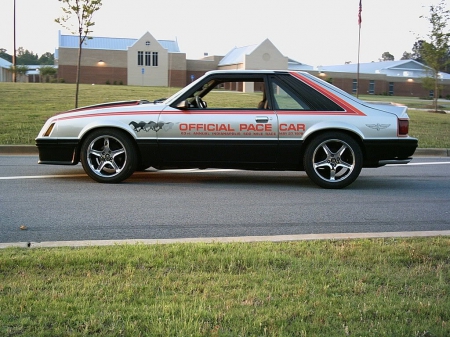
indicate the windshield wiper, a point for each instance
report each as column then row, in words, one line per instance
column 159, row 100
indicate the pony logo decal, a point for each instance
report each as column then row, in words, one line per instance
column 150, row 126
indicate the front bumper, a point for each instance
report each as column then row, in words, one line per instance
column 58, row 151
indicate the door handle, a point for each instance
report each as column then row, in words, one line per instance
column 261, row 119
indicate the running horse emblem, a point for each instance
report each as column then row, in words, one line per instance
column 150, row 126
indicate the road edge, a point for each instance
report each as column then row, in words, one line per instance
column 242, row 239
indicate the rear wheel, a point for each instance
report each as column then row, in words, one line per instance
column 333, row 160
column 108, row 156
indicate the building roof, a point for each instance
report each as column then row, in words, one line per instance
column 110, row 43
column 35, row 69
column 401, row 68
column 4, row 63
column 297, row 66
column 237, row 55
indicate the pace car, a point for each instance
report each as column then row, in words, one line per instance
column 255, row 120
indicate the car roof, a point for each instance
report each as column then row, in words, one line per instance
column 238, row 71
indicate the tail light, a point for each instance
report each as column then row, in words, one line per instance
column 403, row 127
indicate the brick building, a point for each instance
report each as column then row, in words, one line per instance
column 399, row 78
column 150, row 62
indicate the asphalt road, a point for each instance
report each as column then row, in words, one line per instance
column 60, row 203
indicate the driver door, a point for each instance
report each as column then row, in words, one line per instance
column 224, row 122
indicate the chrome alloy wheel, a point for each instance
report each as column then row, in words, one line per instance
column 106, row 156
column 333, row 160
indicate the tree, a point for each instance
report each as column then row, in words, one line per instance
column 20, row 70
column 4, row 55
column 82, row 10
column 26, row 57
column 387, row 56
column 47, row 72
column 417, row 51
column 406, row 56
column 47, row 59
column 435, row 50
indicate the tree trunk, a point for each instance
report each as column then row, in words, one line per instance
column 78, row 73
column 436, row 93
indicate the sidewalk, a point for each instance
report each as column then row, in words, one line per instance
column 32, row 150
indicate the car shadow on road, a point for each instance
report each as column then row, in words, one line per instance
column 223, row 177
column 249, row 178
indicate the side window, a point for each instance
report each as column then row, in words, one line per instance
column 284, row 101
column 290, row 93
column 231, row 94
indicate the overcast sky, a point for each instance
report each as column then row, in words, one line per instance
column 315, row 32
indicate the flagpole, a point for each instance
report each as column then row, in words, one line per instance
column 359, row 46
column 14, row 74
column 357, row 74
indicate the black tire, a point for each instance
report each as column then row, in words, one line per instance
column 108, row 156
column 333, row 160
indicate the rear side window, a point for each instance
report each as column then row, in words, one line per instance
column 292, row 94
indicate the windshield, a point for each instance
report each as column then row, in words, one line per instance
column 172, row 98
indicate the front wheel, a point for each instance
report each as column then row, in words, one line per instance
column 333, row 160
column 108, row 156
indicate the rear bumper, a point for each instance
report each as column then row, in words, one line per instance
column 394, row 161
column 382, row 152
column 58, row 152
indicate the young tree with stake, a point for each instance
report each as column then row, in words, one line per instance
column 82, row 10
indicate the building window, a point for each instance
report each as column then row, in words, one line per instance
column 140, row 58
column 431, row 94
column 155, row 58
column 147, row 43
column 147, row 58
column 371, row 87
column 391, row 88
column 354, row 86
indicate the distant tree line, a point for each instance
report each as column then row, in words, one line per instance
column 26, row 57
column 417, row 54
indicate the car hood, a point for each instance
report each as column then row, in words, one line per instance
column 113, row 107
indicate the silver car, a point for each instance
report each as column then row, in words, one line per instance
column 255, row 120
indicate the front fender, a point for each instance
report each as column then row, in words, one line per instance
column 106, row 124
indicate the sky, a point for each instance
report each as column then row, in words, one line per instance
column 313, row 32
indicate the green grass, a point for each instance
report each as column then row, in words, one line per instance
column 380, row 287
column 24, row 107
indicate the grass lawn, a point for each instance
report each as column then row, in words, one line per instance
column 379, row 287
column 24, row 107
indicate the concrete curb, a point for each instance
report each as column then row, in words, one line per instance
column 432, row 153
column 246, row 239
column 32, row 150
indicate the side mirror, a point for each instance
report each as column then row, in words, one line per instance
column 183, row 105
